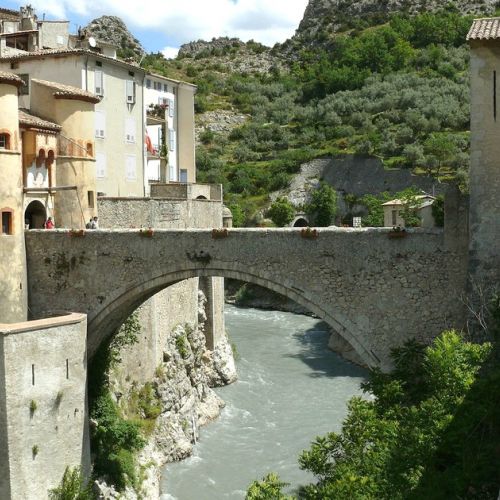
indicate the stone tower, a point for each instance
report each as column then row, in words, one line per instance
column 73, row 109
column 13, row 274
column 484, row 249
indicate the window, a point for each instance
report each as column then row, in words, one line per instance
column 24, row 89
column 100, row 161
column 100, row 124
column 162, row 101
column 99, row 82
column 184, row 175
column 4, row 141
column 99, row 64
column 7, row 222
column 90, row 149
column 60, row 40
column 130, row 166
column 165, row 87
column 394, row 217
column 171, row 139
column 171, row 107
column 130, row 130
column 130, row 87
column 148, row 83
column 90, row 198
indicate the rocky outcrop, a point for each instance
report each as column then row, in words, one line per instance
column 183, row 385
column 113, row 30
column 232, row 55
column 219, row 122
column 338, row 14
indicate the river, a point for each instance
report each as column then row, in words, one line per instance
column 291, row 388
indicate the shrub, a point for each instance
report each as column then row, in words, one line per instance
column 281, row 212
column 72, row 487
column 323, row 205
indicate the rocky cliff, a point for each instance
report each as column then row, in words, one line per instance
column 113, row 30
column 336, row 15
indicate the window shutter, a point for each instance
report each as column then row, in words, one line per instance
column 171, row 139
column 100, row 160
column 130, row 166
column 130, row 92
column 99, row 82
column 171, row 107
column 130, row 130
column 100, row 124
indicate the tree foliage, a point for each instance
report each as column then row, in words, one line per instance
column 281, row 212
column 416, row 436
column 323, row 206
column 72, row 487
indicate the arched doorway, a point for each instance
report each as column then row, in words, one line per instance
column 301, row 222
column 35, row 215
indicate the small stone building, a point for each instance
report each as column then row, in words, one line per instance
column 394, row 208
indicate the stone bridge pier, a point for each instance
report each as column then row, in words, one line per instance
column 373, row 290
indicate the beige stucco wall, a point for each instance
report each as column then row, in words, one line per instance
column 72, row 208
column 79, row 71
column 13, row 281
column 485, row 166
column 50, row 353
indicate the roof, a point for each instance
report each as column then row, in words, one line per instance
column 10, row 78
column 18, row 33
column 427, row 199
column 68, row 92
column 29, row 120
column 485, row 29
column 40, row 54
column 156, row 75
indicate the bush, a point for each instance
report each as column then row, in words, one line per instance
column 281, row 212
column 72, row 487
column 323, row 206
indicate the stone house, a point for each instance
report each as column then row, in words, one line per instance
column 393, row 209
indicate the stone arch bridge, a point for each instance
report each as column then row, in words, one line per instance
column 375, row 291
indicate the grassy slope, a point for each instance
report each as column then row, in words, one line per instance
column 398, row 91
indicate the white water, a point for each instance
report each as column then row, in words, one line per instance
column 291, row 388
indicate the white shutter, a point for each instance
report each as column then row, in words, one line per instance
column 100, row 124
column 171, row 107
column 130, row 168
column 100, row 161
column 99, row 82
column 130, row 130
column 171, row 139
column 162, row 101
column 130, row 84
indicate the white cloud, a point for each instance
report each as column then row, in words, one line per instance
column 170, row 52
column 181, row 21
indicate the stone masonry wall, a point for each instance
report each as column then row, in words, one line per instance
column 43, row 406
column 375, row 291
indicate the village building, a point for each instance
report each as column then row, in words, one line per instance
column 423, row 210
column 170, row 130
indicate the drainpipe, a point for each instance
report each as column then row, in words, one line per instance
column 177, row 134
column 144, row 153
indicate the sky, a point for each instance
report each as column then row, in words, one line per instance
column 164, row 25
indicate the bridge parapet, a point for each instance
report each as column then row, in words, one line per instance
column 375, row 291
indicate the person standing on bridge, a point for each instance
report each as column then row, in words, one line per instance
column 49, row 224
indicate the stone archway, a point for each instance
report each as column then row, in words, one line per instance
column 35, row 215
column 301, row 222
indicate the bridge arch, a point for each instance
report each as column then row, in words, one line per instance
column 118, row 306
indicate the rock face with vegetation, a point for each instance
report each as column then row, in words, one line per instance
column 337, row 15
column 113, row 30
column 163, row 416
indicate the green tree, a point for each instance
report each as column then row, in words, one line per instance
column 72, row 487
column 323, row 205
column 268, row 489
column 438, row 210
column 281, row 212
